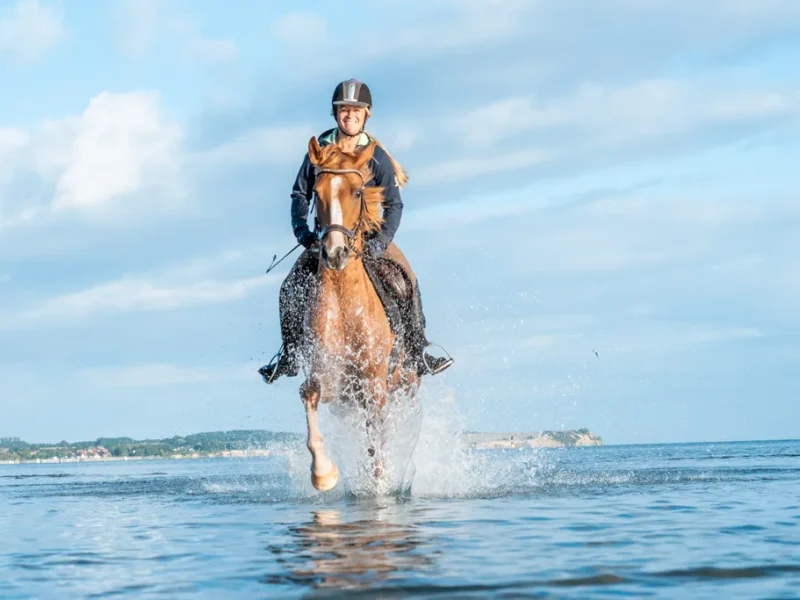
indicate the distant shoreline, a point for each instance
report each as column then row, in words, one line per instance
column 245, row 444
column 543, row 439
column 194, row 456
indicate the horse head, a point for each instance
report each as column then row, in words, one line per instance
column 346, row 208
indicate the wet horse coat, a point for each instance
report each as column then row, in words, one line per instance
column 348, row 337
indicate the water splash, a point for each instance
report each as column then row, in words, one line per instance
column 424, row 455
column 360, row 449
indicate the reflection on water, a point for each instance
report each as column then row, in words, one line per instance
column 328, row 552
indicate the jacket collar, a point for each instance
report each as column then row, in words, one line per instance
column 329, row 137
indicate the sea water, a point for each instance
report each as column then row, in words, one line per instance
column 709, row 520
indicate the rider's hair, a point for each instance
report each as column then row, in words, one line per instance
column 400, row 174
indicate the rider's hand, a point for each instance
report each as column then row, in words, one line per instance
column 374, row 248
column 307, row 238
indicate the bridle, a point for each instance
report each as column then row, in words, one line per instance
column 350, row 234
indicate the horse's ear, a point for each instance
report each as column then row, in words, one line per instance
column 365, row 155
column 314, row 151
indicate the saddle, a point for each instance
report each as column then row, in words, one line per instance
column 396, row 291
column 393, row 285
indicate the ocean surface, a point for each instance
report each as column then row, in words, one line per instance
column 710, row 520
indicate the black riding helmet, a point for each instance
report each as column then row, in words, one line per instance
column 351, row 93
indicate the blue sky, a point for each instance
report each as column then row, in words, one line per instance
column 615, row 176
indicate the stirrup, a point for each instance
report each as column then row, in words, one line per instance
column 269, row 372
column 439, row 363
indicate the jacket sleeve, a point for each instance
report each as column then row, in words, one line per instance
column 392, row 203
column 302, row 194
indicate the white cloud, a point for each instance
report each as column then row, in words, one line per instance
column 677, row 210
column 211, row 51
column 144, row 23
column 122, row 144
column 11, row 140
column 28, row 31
column 630, row 232
column 543, row 42
column 547, row 231
column 121, row 156
column 748, row 262
column 150, row 375
column 300, row 28
column 462, row 25
column 646, row 339
column 469, row 167
column 398, row 135
column 466, row 25
column 641, row 109
column 158, row 374
column 286, row 144
column 138, row 22
column 281, row 144
column 709, row 336
column 598, row 123
column 546, row 340
column 131, row 294
column 210, row 279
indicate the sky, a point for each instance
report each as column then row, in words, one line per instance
column 602, row 211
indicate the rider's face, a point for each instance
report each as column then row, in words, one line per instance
column 351, row 118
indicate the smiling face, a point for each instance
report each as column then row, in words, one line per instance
column 345, row 208
column 351, row 119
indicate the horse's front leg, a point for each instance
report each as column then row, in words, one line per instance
column 324, row 474
column 375, row 396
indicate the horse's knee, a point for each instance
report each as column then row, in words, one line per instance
column 310, row 393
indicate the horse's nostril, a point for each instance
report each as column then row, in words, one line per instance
column 337, row 257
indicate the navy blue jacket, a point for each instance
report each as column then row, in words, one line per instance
column 303, row 191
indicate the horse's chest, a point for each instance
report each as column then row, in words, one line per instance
column 354, row 327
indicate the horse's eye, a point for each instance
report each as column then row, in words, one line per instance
column 358, row 194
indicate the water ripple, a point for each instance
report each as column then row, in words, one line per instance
column 662, row 522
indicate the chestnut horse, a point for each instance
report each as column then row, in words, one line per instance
column 348, row 339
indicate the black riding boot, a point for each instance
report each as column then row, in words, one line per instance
column 426, row 363
column 283, row 363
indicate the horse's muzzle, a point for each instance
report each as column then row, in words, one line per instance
column 336, row 259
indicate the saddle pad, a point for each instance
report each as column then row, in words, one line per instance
column 394, row 288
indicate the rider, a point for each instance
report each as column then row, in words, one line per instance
column 351, row 107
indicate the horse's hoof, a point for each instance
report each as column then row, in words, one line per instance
column 326, row 482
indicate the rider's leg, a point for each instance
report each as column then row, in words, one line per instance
column 295, row 289
column 414, row 319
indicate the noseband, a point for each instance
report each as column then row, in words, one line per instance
column 349, row 233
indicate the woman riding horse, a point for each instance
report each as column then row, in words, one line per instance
column 351, row 107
